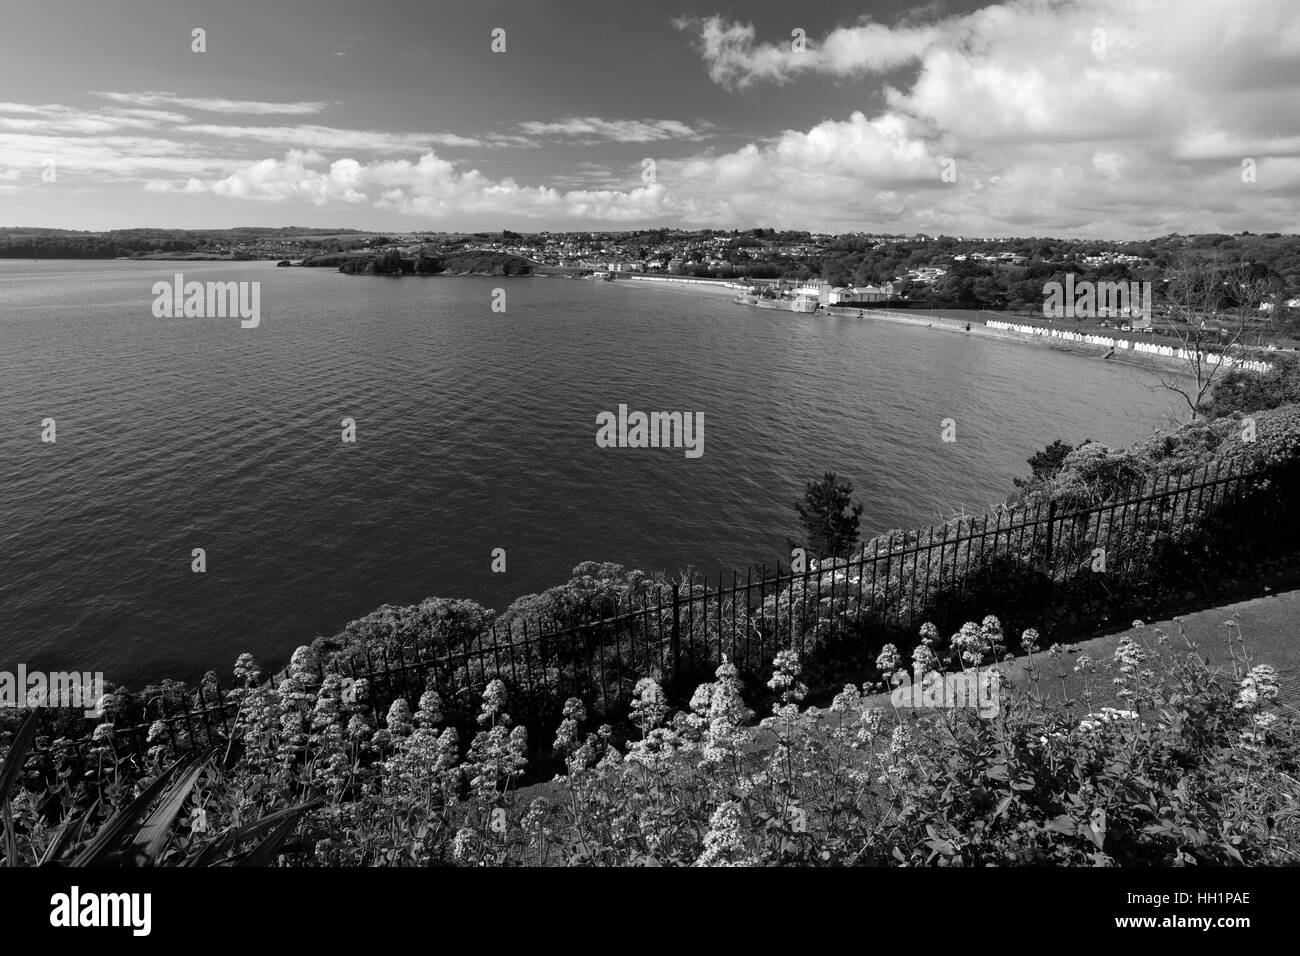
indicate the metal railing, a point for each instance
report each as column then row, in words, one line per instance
column 678, row 632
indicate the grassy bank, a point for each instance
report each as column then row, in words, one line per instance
column 1191, row 767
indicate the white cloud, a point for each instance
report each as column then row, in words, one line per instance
column 52, row 118
column 431, row 187
column 213, row 104
column 191, row 185
column 593, row 129
column 329, row 137
column 1090, row 115
column 1067, row 117
column 111, row 158
column 734, row 59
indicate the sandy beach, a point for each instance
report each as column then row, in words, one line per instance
column 925, row 320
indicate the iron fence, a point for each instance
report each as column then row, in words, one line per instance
column 677, row 632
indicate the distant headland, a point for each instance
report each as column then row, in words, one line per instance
column 394, row 264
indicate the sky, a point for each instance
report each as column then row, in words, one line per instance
column 1118, row 119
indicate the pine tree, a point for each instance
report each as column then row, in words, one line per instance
column 829, row 517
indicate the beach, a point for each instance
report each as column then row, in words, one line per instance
column 976, row 328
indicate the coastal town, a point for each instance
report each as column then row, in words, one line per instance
column 808, row 272
column 847, row 269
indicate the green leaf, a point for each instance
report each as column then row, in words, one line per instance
column 1002, row 806
column 116, row 829
column 1097, row 835
column 17, row 756
column 268, row 849
column 11, row 838
column 1062, row 824
column 148, row 842
column 63, row 838
column 235, row 837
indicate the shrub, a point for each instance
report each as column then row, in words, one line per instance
column 1191, row 767
column 434, row 626
column 829, row 516
column 1245, row 392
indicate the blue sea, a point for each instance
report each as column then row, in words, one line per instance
column 475, row 431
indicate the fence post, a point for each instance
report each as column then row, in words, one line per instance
column 677, row 637
column 1047, row 554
